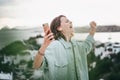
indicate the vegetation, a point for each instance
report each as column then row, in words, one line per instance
column 107, row 68
column 23, row 69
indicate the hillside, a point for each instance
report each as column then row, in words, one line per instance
column 17, row 58
column 100, row 28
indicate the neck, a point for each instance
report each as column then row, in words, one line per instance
column 67, row 38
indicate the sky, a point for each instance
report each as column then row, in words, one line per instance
column 33, row 13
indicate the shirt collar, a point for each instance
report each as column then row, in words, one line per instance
column 67, row 44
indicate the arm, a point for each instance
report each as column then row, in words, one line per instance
column 39, row 57
column 88, row 43
column 48, row 38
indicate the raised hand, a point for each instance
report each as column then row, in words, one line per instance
column 48, row 38
column 93, row 24
column 92, row 28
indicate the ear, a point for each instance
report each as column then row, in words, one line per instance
column 59, row 28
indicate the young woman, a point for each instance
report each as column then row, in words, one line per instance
column 60, row 57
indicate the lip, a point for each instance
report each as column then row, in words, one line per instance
column 71, row 27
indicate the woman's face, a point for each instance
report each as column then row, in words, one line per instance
column 66, row 27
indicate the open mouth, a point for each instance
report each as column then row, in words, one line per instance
column 71, row 27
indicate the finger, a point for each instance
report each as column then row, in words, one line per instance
column 50, row 34
column 93, row 24
column 51, row 38
column 47, row 32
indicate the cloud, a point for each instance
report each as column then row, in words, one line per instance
column 7, row 8
column 6, row 2
column 36, row 12
column 4, row 12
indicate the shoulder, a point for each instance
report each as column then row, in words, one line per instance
column 54, row 44
column 77, row 43
column 54, row 48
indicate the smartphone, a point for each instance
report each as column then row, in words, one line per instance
column 46, row 28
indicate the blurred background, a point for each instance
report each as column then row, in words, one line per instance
column 21, row 34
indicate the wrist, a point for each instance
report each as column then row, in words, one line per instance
column 93, row 28
column 41, row 53
column 92, row 32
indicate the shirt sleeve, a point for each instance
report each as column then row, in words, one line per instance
column 44, row 64
column 88, row 44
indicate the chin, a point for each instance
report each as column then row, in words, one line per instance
column 72, row 34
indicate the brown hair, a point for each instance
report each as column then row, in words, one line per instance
column 54, row 25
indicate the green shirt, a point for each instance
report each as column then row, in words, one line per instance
column 67, row 60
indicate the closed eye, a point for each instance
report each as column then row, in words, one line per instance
column 67, row 21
